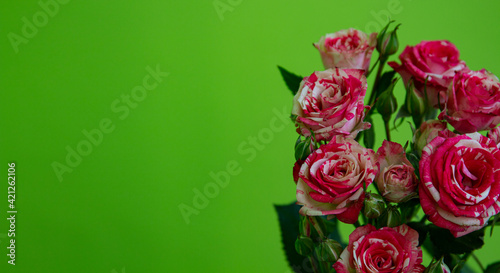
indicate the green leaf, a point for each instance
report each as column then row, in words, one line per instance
column 445, row 242
column 493, row 268
column 288, row 216
column 292, row 81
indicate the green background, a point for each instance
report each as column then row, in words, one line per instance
column 118, row 210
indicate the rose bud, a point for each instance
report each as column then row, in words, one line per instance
column 304, row 245
column 460, row 182
column 349, row 48
column 416, row 104
column 331, row 102
column 396, row 178
column 387, row 42
column 386, row 103
column 391, row 217
column 383, row 250
column 437, row 267
column 428, row 131
column 304, row 226
column 332, row 180
column 473, row 102
column 432, row 65
column 303, row 148
column 328, row 251
column 374, row 205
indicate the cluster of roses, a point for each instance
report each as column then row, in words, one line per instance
column 457, row 175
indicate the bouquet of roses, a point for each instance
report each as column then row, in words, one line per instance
column 438, row 192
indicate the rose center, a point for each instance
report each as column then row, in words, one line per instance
column 348, row 42
column 397, row 173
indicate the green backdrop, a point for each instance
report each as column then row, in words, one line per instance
column 119, row 113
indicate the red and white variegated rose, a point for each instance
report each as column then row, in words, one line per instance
column 396, row 179
column 432, row 65
column 348, row 48
column 473, row 102
column 385, row 250
column 332, row 178
column 331, row 102
column 460, row 182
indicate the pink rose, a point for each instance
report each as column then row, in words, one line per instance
column 426, row 133
column 349, row 48
column 473, row 102
column 396, row 178
column 385, row 250
column 460, row 182
column 330, row 102
column 332, row 178
column 437, row 60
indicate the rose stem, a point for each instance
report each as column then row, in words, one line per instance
column 377, row 78
column 387, row 131
column 477, row 261
column 371, row 69
column 313, row 265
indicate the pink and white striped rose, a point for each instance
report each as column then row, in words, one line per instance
column 460, row 182
column 396, row 179
column 350, row 48
column 384, row 250
column 332, row 178
column 432, row 65
column 331, row 102
column 473, row 102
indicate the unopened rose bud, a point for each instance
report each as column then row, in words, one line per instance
column 304, row 245
column 391, row 217
column 374, row 205
column 416, row 105
column 304, row 226
column 303, row 148
column 381, row 34
column 387, row 103
column 437, row 267
column 387, row 42
column 328, row 250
